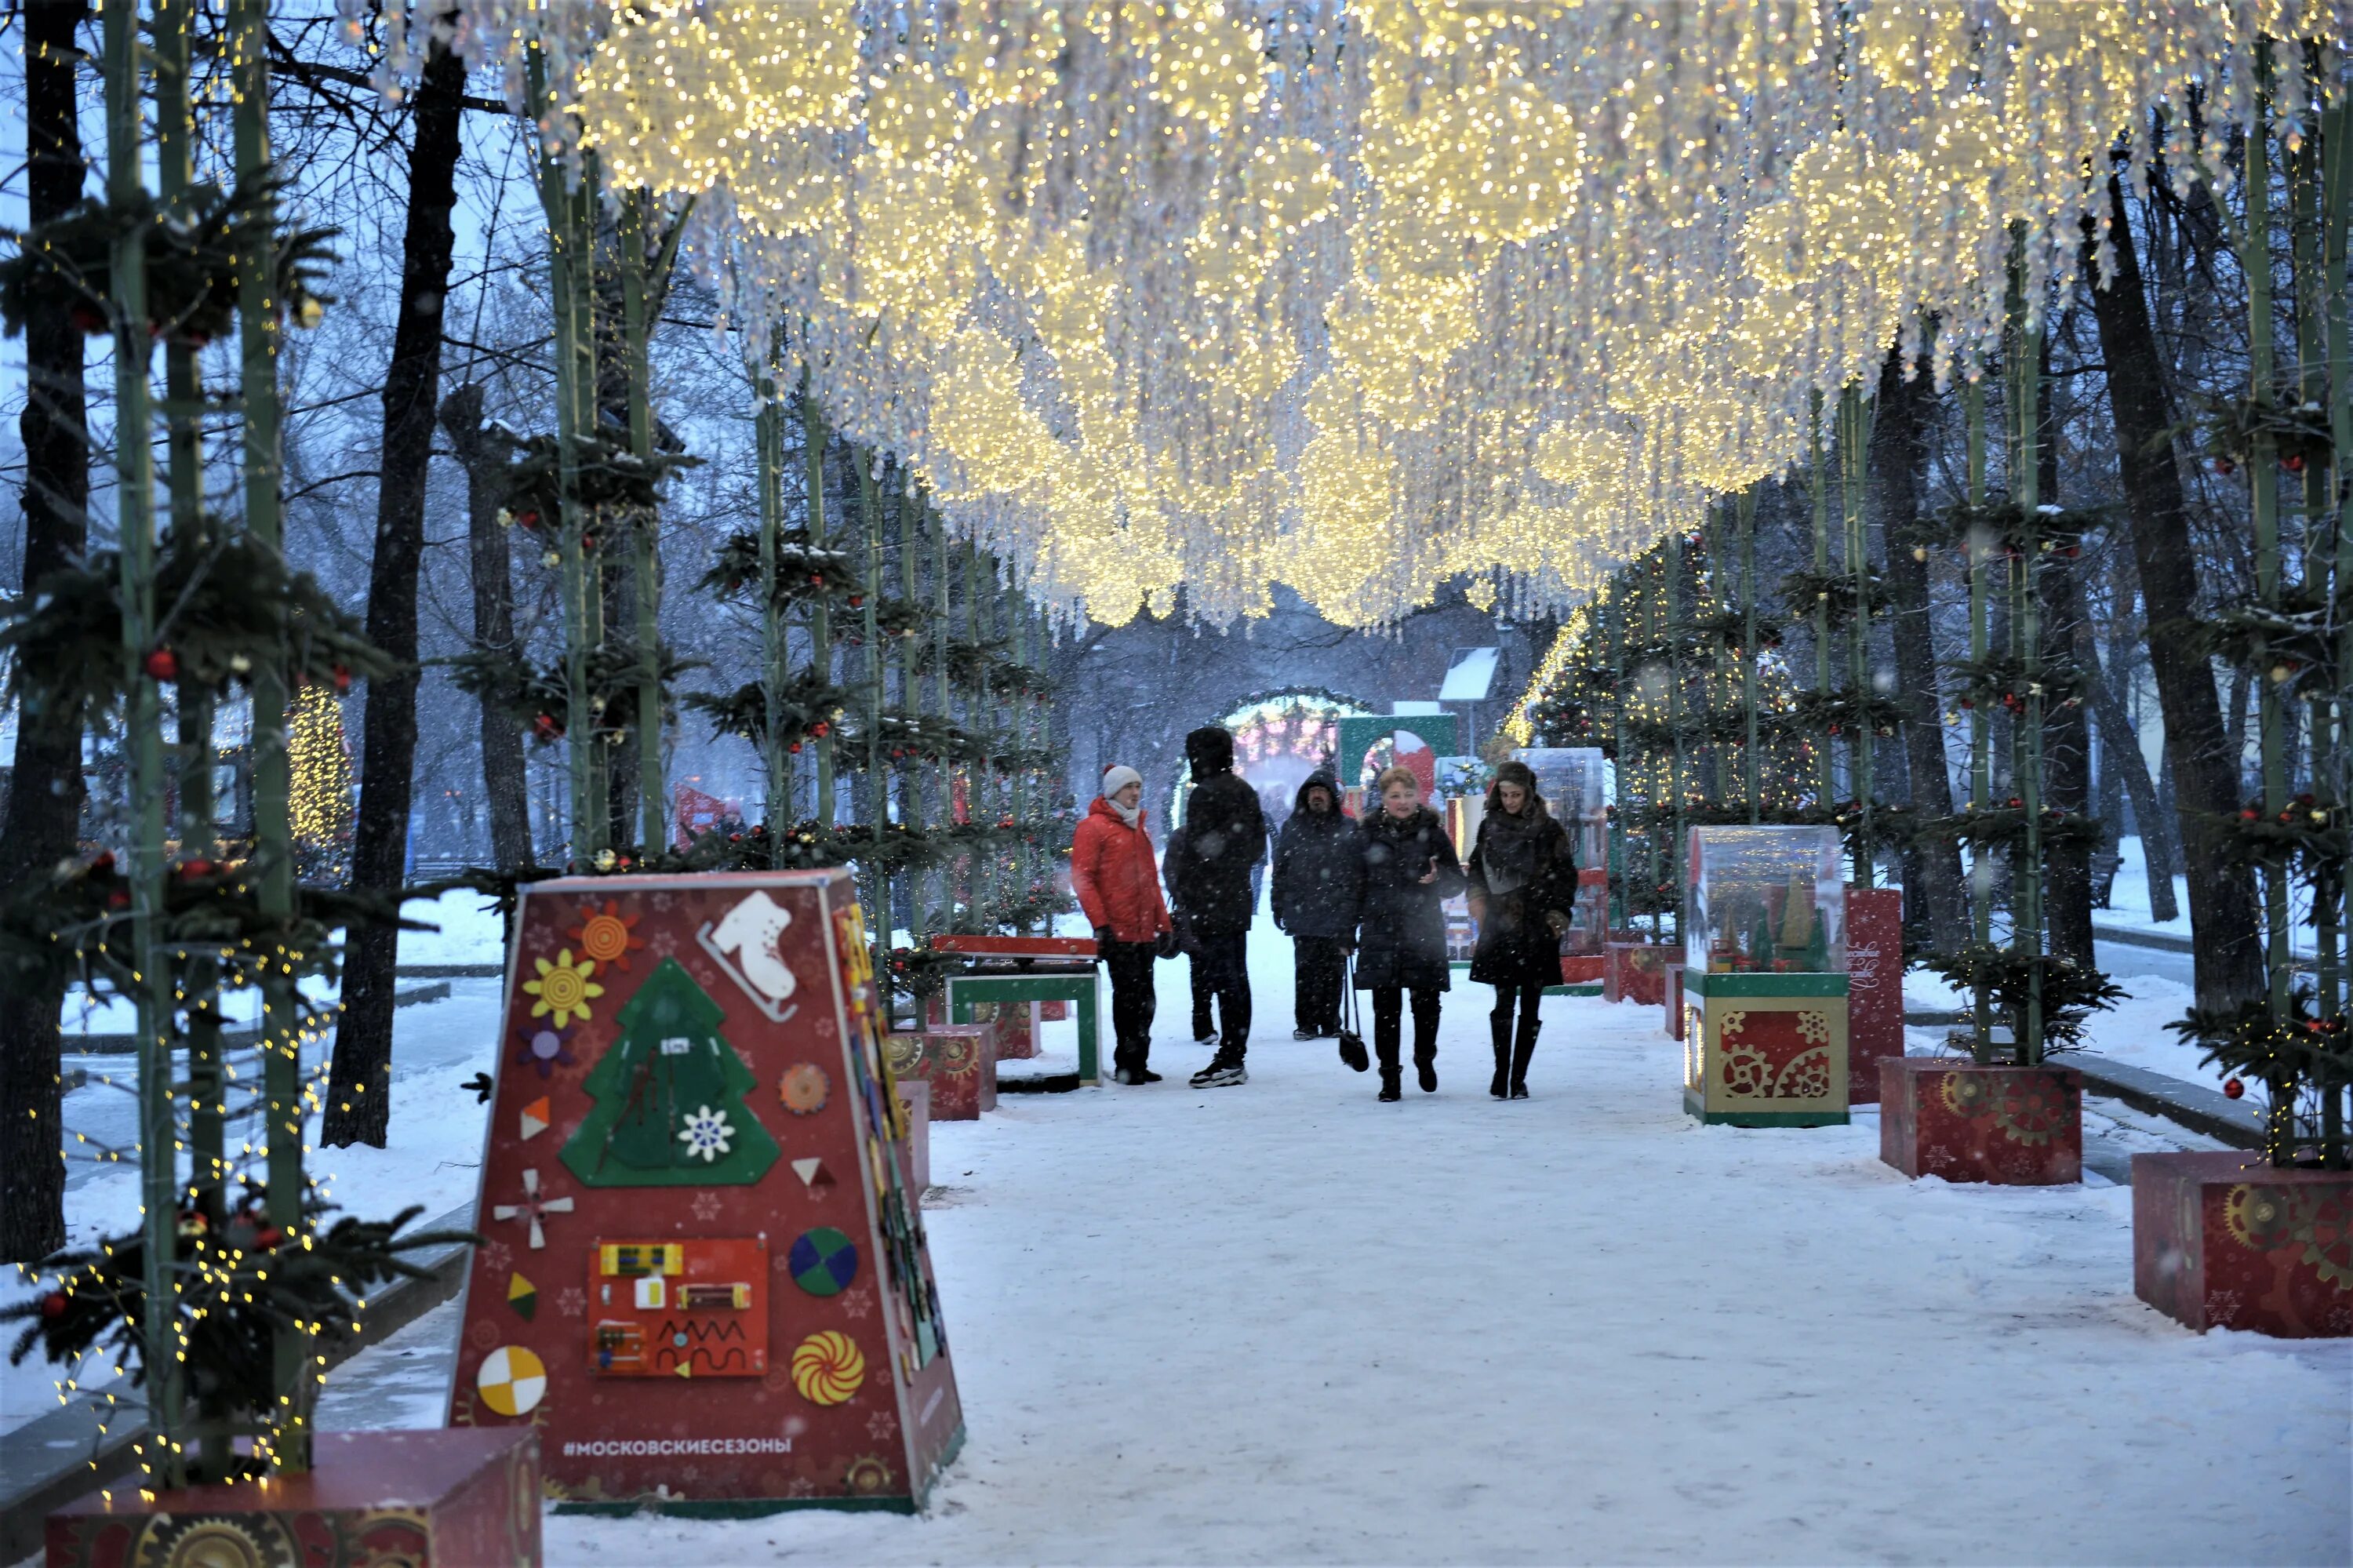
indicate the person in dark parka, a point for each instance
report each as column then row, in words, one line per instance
column 1410, row 871
column 1196, row 968
column 1523, row 877
column 1225, row 836
column 1319, row 870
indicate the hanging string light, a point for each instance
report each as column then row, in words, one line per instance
column 1359, row 297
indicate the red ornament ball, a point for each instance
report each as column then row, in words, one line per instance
column 53, row 1305
column 161, row 665
column 2234, row 1089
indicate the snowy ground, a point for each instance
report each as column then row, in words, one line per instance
column 1285, row 1323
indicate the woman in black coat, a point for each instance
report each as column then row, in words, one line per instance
column 1318, row 861
column 1523, row 877
column 1410, row 871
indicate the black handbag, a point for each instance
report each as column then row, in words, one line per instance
column 1352, row 1044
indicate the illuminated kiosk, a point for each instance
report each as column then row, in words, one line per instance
column 1765, row 995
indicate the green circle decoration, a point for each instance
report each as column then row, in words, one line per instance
column 823, row 1261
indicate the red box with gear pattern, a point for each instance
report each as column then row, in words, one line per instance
column 1969, row 1122
column 705, row 1281
column 958, row 1060
column 2221, row 1239
column 433, row 1498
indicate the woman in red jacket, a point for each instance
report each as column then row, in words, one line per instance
column 1118, row 885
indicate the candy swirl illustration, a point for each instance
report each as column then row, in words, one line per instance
column 827, row 1367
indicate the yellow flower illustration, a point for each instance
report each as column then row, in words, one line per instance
column 563, row 987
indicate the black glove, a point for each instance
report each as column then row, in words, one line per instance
column 1103, row 936
column 1167, row 946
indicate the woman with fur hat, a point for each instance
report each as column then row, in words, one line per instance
column 1523, row 877
column 1118, row 885
column 1409, row 870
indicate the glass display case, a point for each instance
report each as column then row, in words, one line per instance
column 1765, row 900
column 1765, row 997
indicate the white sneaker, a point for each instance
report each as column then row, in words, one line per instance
column 1220, row 1075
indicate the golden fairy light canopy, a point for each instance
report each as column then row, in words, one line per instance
column 1364, row 297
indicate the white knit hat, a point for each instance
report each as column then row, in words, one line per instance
column 1118, row 777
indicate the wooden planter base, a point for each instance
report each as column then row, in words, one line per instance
column 958, row 1060
column 458, row 1497
column 2223, row 1241
column 1968, row 1122
column 1636, row 972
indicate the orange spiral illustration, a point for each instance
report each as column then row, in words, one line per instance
column 827, row 1367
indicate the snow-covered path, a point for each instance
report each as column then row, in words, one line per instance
column 1286, row 1323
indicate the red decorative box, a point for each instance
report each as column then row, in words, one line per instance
column 958, row 1060
column 1673, row 999
column 1575, row 970
column 2223, row 1241
column 1874, row 999
column 443, row 1498
column 1971, row 1122
column 1015, row 1031
column 704, row 1280
column 1636, row 972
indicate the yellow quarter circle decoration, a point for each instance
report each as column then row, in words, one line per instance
column 512, row 1381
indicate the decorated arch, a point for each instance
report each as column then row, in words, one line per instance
column 1280, row 737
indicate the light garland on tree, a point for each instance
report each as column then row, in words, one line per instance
column 320, row 796
column 1362, row 297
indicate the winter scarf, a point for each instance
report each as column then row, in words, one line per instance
column 1508, row 846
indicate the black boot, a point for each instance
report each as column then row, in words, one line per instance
column 1500, row 1024
column 1523, row 1048
column 1392, row 1075
column 1425, row 1046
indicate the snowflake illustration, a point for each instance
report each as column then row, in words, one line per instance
column 881, row 1424
column 706, row 1134
column 572, row 1301
column 662, row 944
column 496, row 1256
column 857, row 1303
column 706, row 1206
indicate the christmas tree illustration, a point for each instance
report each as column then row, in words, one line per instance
column 670, row 1097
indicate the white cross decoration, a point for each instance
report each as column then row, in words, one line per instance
column 532, row 1207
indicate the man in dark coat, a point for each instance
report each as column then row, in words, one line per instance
column 1225, row 836
column 1319, row 873
column 1196, row 970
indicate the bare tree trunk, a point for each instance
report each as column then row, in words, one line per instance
column 481, row 453
column 1898, row 450
column 360, row 1095
column 2120, row 747
column 2224, row 918
column 44, row 790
